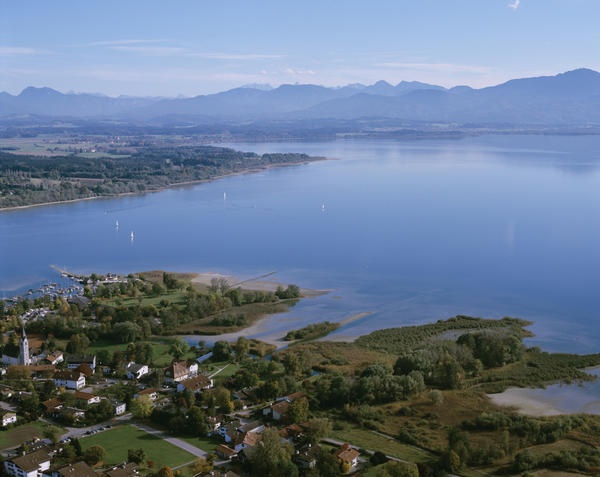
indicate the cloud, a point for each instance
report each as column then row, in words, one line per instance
column 514, row 5
column 436, row 67
column 150, row 50
column 235, row 56
column 137, row 41
column 16, row 51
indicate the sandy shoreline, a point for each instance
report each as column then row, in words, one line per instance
column 520, row 400
column 259, row 283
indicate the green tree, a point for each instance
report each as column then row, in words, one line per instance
column 52, row 432
column 271, row 458
column 178, row 348
column 298, row 411
column 136, row 455
column 222, row 351
column 242, row 347
column 94, row 454
column 141, row 407
column 78, row 343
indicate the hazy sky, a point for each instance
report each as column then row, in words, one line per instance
column 171, row 48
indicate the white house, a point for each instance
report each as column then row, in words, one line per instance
column 8, row 417
column 136, row 371
column 69, row 379
column 86, row 398
column 28, row 465
column 119, row 407
column 180, row 370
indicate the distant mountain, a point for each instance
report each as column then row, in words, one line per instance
column 571, row 98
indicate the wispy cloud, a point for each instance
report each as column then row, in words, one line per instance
column 16, row 51
column 151, row 50
column 124, row 42
column 514, row 5
column 436, row 67
column 236, row 56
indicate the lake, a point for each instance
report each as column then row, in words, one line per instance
column 407, row 231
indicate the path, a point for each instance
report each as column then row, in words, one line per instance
column 196, row 451
column 218, row 371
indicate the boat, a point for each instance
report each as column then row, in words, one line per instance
column 117, row 224
column 131, row 235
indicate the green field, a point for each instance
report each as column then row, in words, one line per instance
column 117, row 441
column 17, row 435
column 161, row 356
column 369, row 440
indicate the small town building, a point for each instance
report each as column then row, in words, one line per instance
column 28, row 465
column 78, row 469
column 135, row 370
column 8, row 417
column 69, row 379
column 195, row 384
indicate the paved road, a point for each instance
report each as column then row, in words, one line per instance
column 173, row 440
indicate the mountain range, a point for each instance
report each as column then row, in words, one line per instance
column 570, row 98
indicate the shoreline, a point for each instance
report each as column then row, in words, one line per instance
column 164, row 188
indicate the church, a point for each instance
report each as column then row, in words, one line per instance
column 17, row 355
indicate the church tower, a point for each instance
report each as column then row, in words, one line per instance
column 24, row 350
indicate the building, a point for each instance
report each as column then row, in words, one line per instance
column 28, row 465
column 152, row 393
column 124, row 470
column 180, row 370
column 78, row 469
column 119, row 407
column 17, row 355
column 195, row 384
column 55, row 358
column 135, row 370
column 347, row 457
column 74, row 361
column 86, row 398
column 69, row 379
column 8, row 417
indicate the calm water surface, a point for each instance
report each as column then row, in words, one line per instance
column 410, row 231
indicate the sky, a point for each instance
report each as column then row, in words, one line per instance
column 187, row 48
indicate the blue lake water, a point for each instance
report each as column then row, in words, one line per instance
column 411, row 231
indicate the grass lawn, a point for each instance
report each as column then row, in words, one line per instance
column 366, row 439
column 117, row 441
column 160, row 346
column 205, row 443
column 17, row 435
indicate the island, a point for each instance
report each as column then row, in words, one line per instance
column 104, row 382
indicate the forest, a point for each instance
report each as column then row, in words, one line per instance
column 30, row 179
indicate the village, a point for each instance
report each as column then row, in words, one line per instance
column 78, row 396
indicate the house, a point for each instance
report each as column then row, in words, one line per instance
column 180, row 370
column 72, row 414
column 243, row 441
column 280, row 408
column 225, row 452
column 69, row 379
column 135, row 370
column 124, row 470
column 86, row 398
column 55, row 358
column 78, row 469
column 228, row 431
column 119, row 407
column 306, row 458
column 52, row 407
column 347, row 456
column 195, row 384
column 76, row 360
column 8, row 417
column 152, row 393
column 28, row 465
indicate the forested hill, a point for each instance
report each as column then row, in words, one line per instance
column 29, row 180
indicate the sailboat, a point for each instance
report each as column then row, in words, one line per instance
column 117, row 224
column 131, row 235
